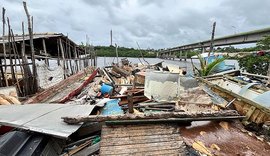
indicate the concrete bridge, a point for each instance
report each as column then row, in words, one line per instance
column 241, row 38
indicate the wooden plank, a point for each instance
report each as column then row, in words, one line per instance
column 79, row 89
column 138, row 133
column 249, row 113
column 161, row 139
column 141, row 139
column 130, row 149
column 48, row 93
column 176, row 152
column 123, row 131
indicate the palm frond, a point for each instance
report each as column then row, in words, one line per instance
column 211, row 66
column 208, row 68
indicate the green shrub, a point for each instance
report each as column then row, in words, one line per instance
column 255, row 64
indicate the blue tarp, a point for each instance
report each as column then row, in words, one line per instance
column 112, row 108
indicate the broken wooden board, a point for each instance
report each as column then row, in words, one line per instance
column 47, row 95
column 160, row 139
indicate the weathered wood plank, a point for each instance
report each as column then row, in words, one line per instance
column 161, row 139
column 158, row 146
column 141, row 140
column 163, row 115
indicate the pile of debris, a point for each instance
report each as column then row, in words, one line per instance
column 121, row 109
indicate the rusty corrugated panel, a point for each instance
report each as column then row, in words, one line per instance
column 141, row 140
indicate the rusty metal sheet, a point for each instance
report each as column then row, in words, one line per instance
column 158, row 139
column 224, row 138
column 43, row 118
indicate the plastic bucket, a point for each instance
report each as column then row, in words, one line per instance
column 106, row 89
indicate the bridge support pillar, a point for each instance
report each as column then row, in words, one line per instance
column 173, row 55
column 180, row 57
column 185, row 55
column 203, row 49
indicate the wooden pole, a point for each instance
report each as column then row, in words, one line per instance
column 142, row 53
column 30, row 26
column 16, row 57
column 69, row 56
column 130, row 103
column 4, row 45
column 76, row 58
column 84, row 60
column 58, row 52
column 10, row 59
column 212, row 39
column 66, row 54
column 45, row 50
column 26, row 68
column 63, row 57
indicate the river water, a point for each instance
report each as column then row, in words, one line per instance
column 105, row 61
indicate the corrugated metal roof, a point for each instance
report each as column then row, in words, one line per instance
column 35, row 36
column 43, row 118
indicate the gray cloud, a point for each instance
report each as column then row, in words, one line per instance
column 152, row 23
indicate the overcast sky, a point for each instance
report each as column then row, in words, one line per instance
column 151, row 23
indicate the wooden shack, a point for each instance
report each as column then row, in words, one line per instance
column 52, row 49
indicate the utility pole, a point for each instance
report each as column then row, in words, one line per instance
column 212, row 39
column 111, row 38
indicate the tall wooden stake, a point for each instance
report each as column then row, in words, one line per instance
column 26, row 68
column 4, row 45
column 32, row 47
column 58, row 53
column 10, row 54
column 16, row 57
column 212, row 39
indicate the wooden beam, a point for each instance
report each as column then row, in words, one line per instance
column 130, row 103
column 163, row 115
column 173, row 120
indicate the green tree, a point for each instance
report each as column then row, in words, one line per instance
column 257, row 64
column 264, row 44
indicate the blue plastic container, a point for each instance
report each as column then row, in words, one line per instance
column 106, row 89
